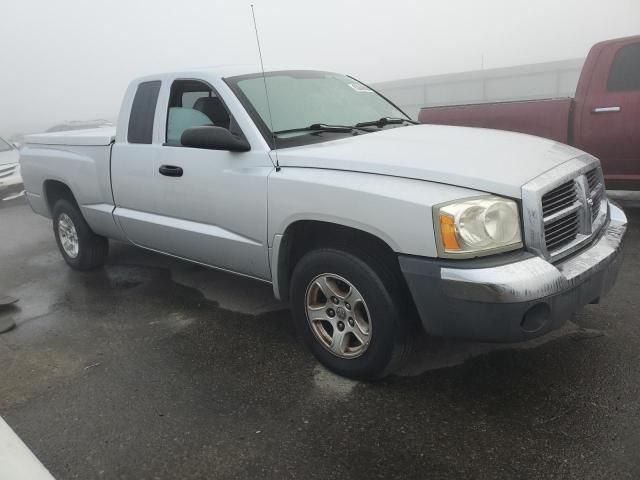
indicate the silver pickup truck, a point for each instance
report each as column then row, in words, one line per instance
column 369, row 225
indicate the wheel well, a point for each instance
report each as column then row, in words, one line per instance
column 306, row 235
column 54, row 191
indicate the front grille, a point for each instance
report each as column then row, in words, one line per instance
column 596, row 191
column 561, row 231
column 7, row 170
column 564, row 208
column 560, row 215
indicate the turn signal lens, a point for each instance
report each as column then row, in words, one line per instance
column 448, row 233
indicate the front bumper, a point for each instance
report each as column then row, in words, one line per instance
column 513, row 297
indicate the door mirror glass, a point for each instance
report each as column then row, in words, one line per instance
column 213, row 138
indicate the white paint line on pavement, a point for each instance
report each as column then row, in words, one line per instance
column 17, row 462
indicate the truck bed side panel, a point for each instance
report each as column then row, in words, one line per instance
column 544, row 118
column 85, row 169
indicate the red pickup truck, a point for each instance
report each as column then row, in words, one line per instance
column 603, row 118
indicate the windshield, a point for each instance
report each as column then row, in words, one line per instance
column 4, row 146
column 299, row 99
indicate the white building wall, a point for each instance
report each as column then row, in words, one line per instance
column 523, row 82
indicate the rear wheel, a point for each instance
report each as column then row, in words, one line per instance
column 81, row 248
column 350, row 311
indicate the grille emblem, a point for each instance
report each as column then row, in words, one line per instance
column 590, row 201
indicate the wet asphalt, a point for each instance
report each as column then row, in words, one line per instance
column 155, row 368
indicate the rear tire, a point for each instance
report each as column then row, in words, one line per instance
column 80, row 247
column 364, row 329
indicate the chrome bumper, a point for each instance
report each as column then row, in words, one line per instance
column 516, row 300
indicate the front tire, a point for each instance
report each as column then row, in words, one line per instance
column 80, row 247
column 351, row 311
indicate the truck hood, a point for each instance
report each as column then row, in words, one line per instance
column 487, row 160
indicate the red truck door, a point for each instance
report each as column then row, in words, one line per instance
column 607, row 120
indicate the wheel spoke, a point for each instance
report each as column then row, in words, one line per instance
column 325, row 287
column 333, row 286
column 361, row 317
column 316, row 308
column 353, row 297
column 361, row 336
column 339, row 342
column 319, row 314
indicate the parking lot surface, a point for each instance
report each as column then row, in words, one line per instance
column 156, row 368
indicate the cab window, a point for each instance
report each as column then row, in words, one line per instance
column 193, row 104
column 143, row 113
column 625, row 71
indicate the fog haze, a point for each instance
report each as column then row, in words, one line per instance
column 72, row 59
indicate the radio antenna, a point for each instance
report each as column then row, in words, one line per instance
column 266, row 90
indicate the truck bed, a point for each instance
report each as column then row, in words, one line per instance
column 89, row 137
column 545, row 118
column 79, row 159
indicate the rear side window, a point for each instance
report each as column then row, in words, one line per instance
column 625, row 71
column 143, row 112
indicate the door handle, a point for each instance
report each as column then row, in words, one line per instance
column 170, row 171
column 606, row 109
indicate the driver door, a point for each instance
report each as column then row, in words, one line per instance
column 213, row 203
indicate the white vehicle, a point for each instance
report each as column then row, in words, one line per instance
column 369, row 225
column 9, row 166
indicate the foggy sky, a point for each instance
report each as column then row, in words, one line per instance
column 72, row 59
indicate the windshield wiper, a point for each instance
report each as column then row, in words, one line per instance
column 384, row 121
column 323, row 127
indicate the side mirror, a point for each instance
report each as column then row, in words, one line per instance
column 213, row 138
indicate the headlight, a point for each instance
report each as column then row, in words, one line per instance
column 477, row 226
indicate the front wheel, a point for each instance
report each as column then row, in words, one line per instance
column 80, row 247
column 350, row 311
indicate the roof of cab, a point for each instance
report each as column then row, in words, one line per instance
column 223, row 71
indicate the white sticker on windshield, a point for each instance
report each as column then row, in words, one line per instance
column 360, row 88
